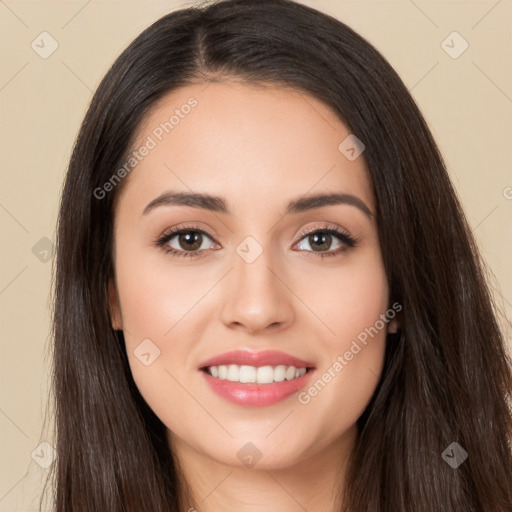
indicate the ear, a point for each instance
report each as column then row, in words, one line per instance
column 395, row 324
column 114, row 309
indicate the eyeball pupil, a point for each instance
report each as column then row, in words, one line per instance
column 317, row 236
column 190, row 239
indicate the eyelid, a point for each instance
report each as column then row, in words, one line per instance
column 325, row 227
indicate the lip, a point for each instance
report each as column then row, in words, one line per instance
column 263, row 358
column 256, row 395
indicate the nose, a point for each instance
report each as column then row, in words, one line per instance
column 256, row 297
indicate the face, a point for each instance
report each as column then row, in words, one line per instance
column 260, row 268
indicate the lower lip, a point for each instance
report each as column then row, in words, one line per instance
column 256, row 395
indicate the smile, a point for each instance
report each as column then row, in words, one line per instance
column 253, row 374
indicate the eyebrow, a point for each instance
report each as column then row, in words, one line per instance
column 219, row 205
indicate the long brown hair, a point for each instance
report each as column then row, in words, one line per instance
column 447, row 376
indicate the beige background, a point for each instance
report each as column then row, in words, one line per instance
column 467, row 102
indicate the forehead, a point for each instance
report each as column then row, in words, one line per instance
column 257, row 146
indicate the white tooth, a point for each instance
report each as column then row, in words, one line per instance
column 262, row 375
column 290, row 373
column 247, row 373
column 233, row 372
column 279, row 373
column 265, row 375
column 223, row 371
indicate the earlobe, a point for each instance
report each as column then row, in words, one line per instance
column 114, row 309
column 394, row 326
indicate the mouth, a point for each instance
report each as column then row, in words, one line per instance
column 245, row 374
column 255, row 379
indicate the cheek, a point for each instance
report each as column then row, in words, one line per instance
column 153, row 298
column 353, row 344
column 349, row 299
column 161, row 305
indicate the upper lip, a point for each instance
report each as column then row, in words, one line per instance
column 263, row 358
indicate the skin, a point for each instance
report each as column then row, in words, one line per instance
column 258, row 148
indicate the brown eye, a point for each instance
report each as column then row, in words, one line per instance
column 191, row 240
column 185, row 242
column 320, row 241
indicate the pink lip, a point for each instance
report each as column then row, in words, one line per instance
column 264, row 358
column 256, row 395
column 253, row 394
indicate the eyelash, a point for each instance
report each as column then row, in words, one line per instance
column 341, row 235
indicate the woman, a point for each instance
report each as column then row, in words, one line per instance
column 267, row 295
